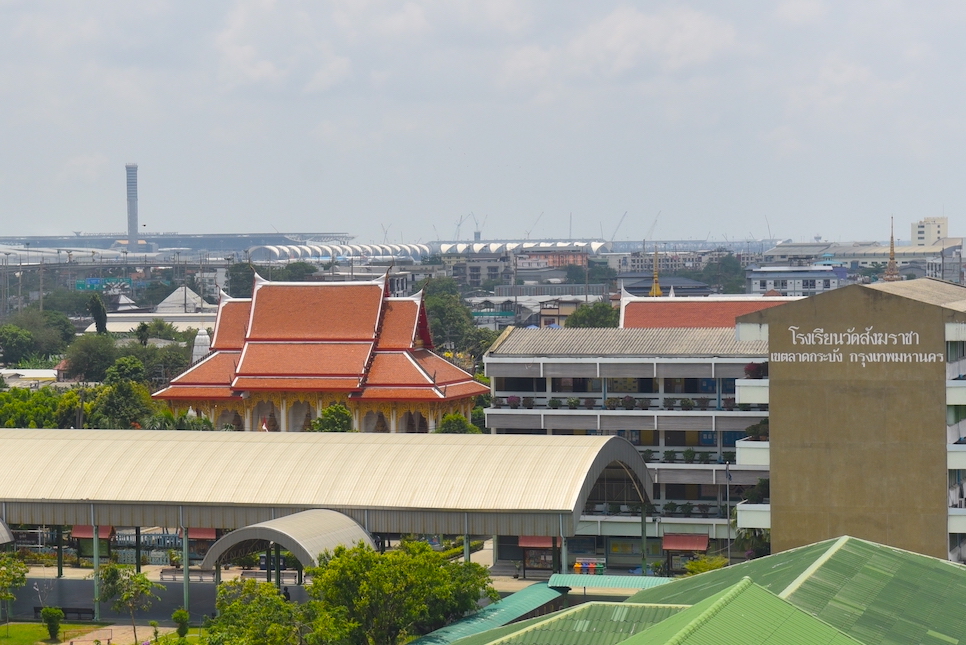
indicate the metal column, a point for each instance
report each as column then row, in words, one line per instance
column 60, row 551
column 137, row 549
column 97, row 572
column 278, row 565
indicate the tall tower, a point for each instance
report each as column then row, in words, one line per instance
column 892, row 270
column 132, row 207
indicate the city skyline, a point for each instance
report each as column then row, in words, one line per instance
column 799, row 119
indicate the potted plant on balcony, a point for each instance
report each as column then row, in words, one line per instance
column 513, row 402
column 646, row 403
column 704, row 457
column 573, row 402
column 686, row 508
column 702, row 402
column 669, row 507
column 756, row 370
column 590, row 404
column 729, row 403
column 628, row 402
column 729, row 457
column 670, row 456
column 528, row 402
column 703, row 509
column 611, row 403
column 497, row 402
column 553, row 404
column 649, row 508
column 647, row 455
column 687, row 404
column 689, row 455
column 669, row 402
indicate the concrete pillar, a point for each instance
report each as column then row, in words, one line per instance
column 564, row 559
column 97, row 573
column 431, row 420
column 393, row 420
column 185, row 565
column 249, row 415
column 283, row 426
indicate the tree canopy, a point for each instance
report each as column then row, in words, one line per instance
column 334, row 418
column 98, row 312
column 89, row 356
column 13, row 574
column 456, row 423
column 598, row 314
column 127, row 590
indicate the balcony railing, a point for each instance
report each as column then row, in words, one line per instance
column 597, row 402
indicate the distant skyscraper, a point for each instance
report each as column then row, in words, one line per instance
column 132, row 207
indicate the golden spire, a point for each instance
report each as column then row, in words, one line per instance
column 655, row 291
column 892, row 271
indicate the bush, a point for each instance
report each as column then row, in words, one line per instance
column 670, row 456
column 52, row 617
column 181, row 618
column 688, row 455
column 456, row 423
column 704, row 563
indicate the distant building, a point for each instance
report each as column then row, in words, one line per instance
column 928, row 231
column 794, row 281
column 639, row 284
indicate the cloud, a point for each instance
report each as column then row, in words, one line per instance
column 801, row 12
column 84, row 167
column 331, row 72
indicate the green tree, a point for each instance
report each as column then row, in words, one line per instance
column 124, row 404
column 15, row 343
column 127, row 590
column 13, row 574
column 456, row 424
column 143, row 333
column 241, row 280
column 125, row 368
column 66, row 301
column 98, row 312
column 704, row 563
column 335, row 418
column 598, row 314
column 90, row 355
column 51, row 330
column 477, row 340
column 52, row 616
column 389, row 598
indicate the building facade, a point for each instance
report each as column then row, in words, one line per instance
column 866, row 390
column 793, row 281
column 929, row 231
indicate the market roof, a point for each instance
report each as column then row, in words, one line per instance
column 494, row 615
column 694, row 312
column 575, row 580
column 875, row 593
column 928, row 290
column 6, row 535
column 404, row 483
column 306, row 535
column 591, row 623
column 690, row 342
column 743, row 614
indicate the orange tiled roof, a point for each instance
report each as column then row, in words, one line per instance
column 196, row 393
column 315, row 312
column 304, row 359
column 217, row 369
column 461, row 390
column 231, row 324
column 396, row 369
column 445, row 371
column 399, row 324
column 303, row 384
column 697, row 312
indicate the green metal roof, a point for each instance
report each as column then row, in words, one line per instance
column 875, row 593
column 575, row 580
column 497, row 614
column 592, row 623
column 743, row 614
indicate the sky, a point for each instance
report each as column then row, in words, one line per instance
column 394, row 121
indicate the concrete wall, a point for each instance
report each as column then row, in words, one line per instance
column 858, row 449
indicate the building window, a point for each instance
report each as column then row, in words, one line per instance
column 827, row 284
column 762, row 284
column 781, row 284
column 808, row 284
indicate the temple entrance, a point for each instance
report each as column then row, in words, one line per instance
column 300, row 416
column 375, row 422
column 265, row 417
column 229, row 418
column 413, row 422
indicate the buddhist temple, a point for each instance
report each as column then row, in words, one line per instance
column 279, row 358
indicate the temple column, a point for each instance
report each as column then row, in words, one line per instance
column 283, row 408
column 392, row 419
column 249, row 416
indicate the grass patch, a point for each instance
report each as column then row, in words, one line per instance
column 31, row 633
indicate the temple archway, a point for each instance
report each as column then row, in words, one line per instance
column 375, row 422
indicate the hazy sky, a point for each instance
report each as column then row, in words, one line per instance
column 356, row 115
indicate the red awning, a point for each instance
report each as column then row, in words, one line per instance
column 200, row 534
column 684, row 542
column 86, row 531
column 536, row 542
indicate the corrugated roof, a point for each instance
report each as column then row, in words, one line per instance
column 672, row 313
column 928, row 290
column 744, row 614
column 417, row 472
column 495, row 615
column 6, row 535
column 575, row 580
column 875, row 593
column 692, row 342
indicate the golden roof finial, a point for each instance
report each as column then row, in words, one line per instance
column 655, row 291
column 892, row 271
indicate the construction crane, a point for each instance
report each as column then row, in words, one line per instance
column 537, row 221
column 478, row 232
column 618, row 227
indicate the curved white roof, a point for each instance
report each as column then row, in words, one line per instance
column 421, row 483
column 306, row 535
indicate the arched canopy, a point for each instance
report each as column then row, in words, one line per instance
column 306, row 535
column 6, row 535
column 389, row 483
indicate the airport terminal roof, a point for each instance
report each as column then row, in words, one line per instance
column 405, row 483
